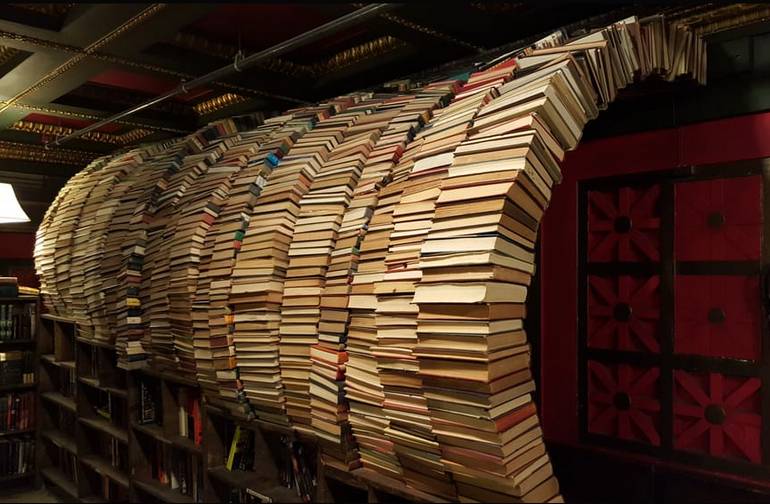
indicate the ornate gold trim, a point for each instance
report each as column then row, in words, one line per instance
column 95, row 136
column 348, row 57
column 83, row 115
column 218, row 103
column 29, row 152
column 91, row 48
column 49, row 9
column 426, row 30
column 147, row 67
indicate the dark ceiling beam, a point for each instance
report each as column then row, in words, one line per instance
column 110, row 18
column 167, row 67
column 425, row 32
column 302, row 40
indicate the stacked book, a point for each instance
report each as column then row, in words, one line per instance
column 273, row 140
column 342, row 272
column 126, row 248
column 404, row 406
column 328, row 358
column 61, row 231
column 85, row 283
column 283, row 131
column 260, row 267
column 315, row 234
column 209, row 306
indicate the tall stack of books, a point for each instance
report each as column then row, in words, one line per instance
column 273, row 140
column 156, row 269
column 404, row 406
column 126, row 250
column 63, row 230
column 373, row 266
column 260, row 268
column 209, row 306
column 85, row 283
column 330, row 410
column 315, row 234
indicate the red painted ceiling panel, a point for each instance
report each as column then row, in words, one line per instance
column 263, row 25
column 144, row 83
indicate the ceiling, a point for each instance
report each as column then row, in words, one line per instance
column 66, row 66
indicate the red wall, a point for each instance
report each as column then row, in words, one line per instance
column 16, row 245
column 738, row 138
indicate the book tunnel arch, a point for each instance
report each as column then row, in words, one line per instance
column 357, row 269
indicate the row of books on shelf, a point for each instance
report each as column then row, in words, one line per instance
column 189, row 415
column 17, row 456
column 298, row 471
column 17, row 411
column 67, row 381
column 149, row 403
column 179, row 471
column 17, row 321
column 17, row 367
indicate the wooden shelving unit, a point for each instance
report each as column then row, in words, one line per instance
column 88, row 436
column 84, row 431
column 27, row 345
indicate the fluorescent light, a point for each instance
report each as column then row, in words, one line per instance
column 10, row 210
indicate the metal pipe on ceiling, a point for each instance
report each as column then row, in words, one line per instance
column 303, row 39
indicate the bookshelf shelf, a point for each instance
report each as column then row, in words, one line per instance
column 16, row 432
column 60, row 439
column 104, row 468
column 20, row 299
column 51, row 359
column 97, row 343
column 162, row 492
column 59, row 399
column 14, row 343
column 60, row 480
column 254, row 481
column 94, row 383
column 14, row 477
column 106, row 427
column 156, row 432
column 56, row 318
column 18, row 386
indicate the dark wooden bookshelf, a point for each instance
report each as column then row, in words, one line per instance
column 97, row 377
column 29, row 345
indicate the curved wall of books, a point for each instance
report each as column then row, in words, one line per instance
column 356, row 269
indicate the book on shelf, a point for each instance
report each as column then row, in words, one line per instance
column 17, row 411
column 17, row 367
column 150, row 410
column 240, row 456
column 17, row 456
column 189, row 415
column 17, row 321
column 179, row 470
column 104, row 404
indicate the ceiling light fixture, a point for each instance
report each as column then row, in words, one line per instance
column 10, row 209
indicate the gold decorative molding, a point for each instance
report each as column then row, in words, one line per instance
column 425, row 29
column 218, row 103
column 95, row 117
column 349, row 56
column 91, row 48
column 95, row 136
column 37, row 153
column 49, row 9
column 147, row 67
column 713, row 19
